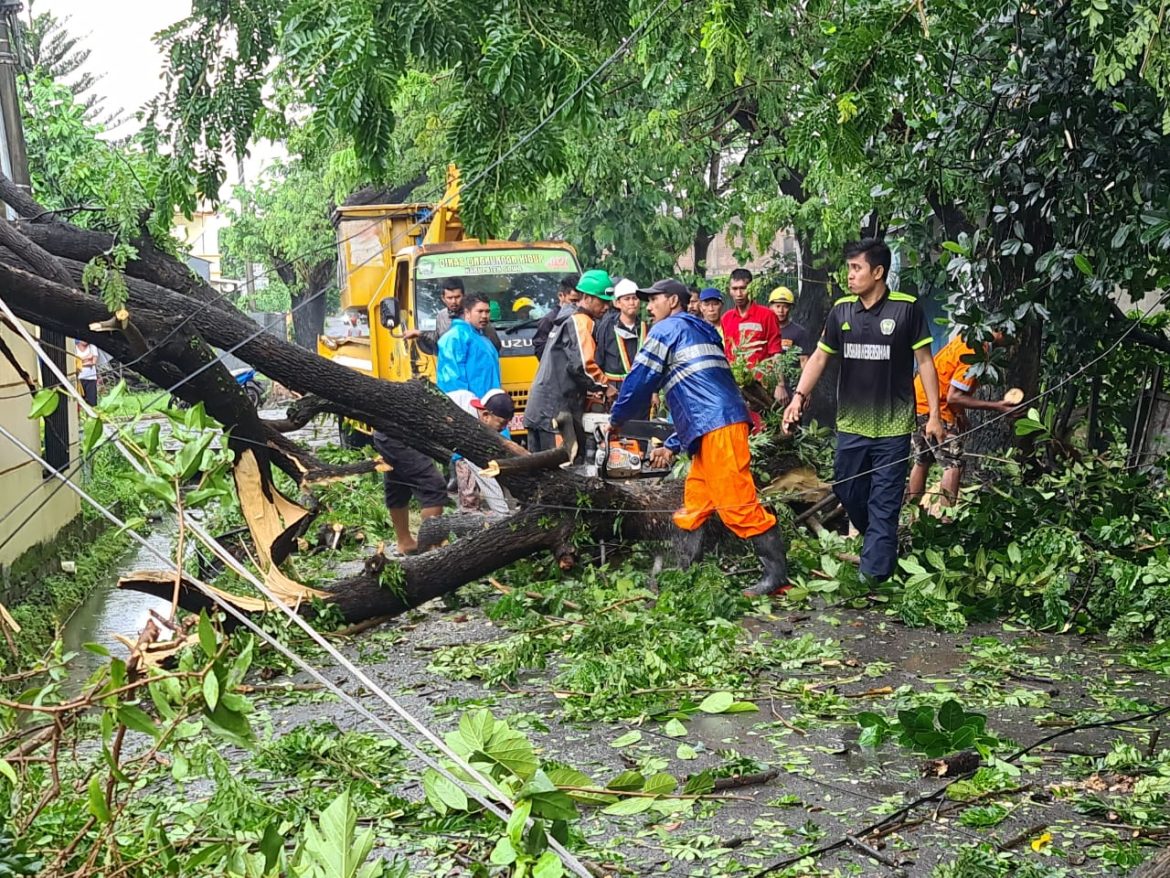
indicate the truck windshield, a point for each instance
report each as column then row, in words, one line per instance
column 520, row 284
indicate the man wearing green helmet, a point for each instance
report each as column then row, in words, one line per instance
column 568, row 367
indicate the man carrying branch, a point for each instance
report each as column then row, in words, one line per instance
column 957, row 396
column 879, row 335
column 682, row 356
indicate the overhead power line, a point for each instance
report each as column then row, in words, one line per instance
column 505, row 806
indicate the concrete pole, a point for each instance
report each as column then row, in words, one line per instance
column 16, row 153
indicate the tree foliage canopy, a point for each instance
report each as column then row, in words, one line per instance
column 73, row 167
column 1016, row 152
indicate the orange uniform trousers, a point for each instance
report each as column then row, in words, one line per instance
column 720, row 481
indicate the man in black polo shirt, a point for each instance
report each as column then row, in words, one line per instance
column 879, row 336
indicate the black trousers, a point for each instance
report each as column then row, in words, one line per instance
column 89, row 390
column 413, row 474
column 541, row 440
column 546, row 440
column 871, row 481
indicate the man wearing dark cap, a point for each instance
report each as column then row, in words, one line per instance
column 477, row 492
column 711, row 308
column 568, row 368
column 683, row 357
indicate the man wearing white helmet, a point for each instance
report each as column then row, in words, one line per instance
column 619, row 335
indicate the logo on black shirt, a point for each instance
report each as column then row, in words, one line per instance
column 867, row 351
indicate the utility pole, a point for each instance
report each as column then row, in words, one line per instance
column 14, row 162
column 15, row 157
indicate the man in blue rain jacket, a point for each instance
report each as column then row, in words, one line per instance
column 683, row 358
column 467, row 358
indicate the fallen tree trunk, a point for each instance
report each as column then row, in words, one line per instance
column 436, row 531
column 388, row 588
column 179, row 319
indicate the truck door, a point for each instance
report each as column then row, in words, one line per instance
column 393, row 356
column 422, row 362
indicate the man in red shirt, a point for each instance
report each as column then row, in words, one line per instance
column 749, row 328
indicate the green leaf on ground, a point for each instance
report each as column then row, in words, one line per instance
column 717, row 702
column 674, row 729
column 547, row 801
column 661, row 783
column 504, row 854
column 629, row 806
column 699, row 784
column 627, row 781
column 548, row 866
column 742, row 707
column 627, row 739
column 442, row 794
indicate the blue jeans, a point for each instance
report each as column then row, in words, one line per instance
column 872, row 476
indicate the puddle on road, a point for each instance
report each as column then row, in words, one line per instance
column 723, row 730
column 109, row 610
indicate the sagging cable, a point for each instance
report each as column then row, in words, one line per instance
column 216, row 548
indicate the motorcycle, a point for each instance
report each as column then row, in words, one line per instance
column 246, row 378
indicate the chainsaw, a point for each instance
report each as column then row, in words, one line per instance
column 625, row 454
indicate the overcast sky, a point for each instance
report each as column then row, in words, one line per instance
column 124, row 55
column 121, row 49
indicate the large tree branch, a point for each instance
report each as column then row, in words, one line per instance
column 1138, row 334
column 175, row 358
column 21, row 202
column 41, row 227
column 179, row 329
column 415, row 412
column 32, row 255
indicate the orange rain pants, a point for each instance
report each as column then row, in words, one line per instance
column 720, row 481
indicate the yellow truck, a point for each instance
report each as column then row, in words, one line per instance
column 392, row 262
